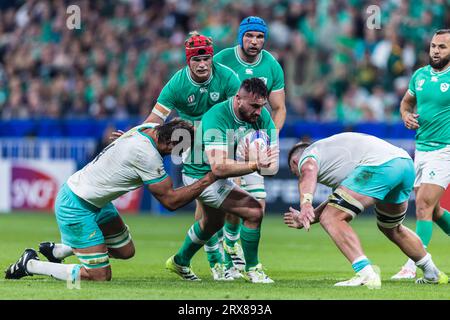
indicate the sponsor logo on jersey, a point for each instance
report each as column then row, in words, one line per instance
column 214, row 96
column 248, row 71
column 434, row 79
column 420, row 84
column 203, row 90
column 444, row 87
column 191, row 98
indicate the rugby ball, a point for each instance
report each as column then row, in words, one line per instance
column 252, row 145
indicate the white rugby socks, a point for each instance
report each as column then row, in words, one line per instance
column 430, row 271
column 56, row 270
column 61, row 251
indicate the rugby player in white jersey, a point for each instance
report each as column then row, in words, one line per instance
column 362, row 170
column 90, row 225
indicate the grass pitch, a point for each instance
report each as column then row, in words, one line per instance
column 304, row 265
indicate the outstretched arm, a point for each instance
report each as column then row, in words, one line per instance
column 223, row 167
column 173, row 199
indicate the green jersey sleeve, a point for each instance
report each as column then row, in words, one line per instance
column 278, row 77
column 168, row 97
column 412, row 83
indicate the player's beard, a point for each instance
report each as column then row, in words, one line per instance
column 440, row 64
column 252, row 54
column 247, row 117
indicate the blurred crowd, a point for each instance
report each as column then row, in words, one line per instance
column 341, row 60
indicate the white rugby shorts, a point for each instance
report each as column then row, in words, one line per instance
column 215, row 194
column 432, row 167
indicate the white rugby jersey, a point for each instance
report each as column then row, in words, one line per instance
column 126, row 164
column 338, row 155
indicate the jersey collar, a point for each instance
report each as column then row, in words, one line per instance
column 245, row 64
column 199, row 84
column 438, row 73
column 147, row 126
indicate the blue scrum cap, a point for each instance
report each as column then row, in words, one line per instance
column 251, row 23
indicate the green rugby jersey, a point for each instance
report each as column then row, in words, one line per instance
column 432, row 92
column 221, row 128
column 266, row 67
column 192, row 99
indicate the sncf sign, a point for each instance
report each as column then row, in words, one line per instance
column 32, row 189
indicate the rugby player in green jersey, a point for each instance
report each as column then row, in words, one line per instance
column 191, row 92
column 194, row 89
column 237, row 116
column 429, row 93
column 248, row 59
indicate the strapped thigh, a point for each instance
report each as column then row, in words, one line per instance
column 389, row 220
column 343, row 201
column 118, row 240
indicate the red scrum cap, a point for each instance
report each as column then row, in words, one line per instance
column 198, row 45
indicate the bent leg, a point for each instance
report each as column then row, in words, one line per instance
column 118, row 238
column 199, row 233
column 241, row 204
column 335, row 222
column 94, row 266
column 389, row 221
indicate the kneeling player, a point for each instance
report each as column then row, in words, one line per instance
column 363, row 171
column 90, row 225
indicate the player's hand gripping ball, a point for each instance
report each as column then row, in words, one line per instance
column 254, row 145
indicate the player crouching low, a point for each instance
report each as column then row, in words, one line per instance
column 90, row 225
column 363, row 171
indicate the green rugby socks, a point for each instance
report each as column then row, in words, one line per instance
column 250, row 242
column 424, row 229
column 444, row 222
column 231, row 232
column 212, row 251
column 194, row 240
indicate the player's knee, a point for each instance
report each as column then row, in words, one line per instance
column 210, row 224
column 256, row 213
column 120, row 245
column 126, row 252
column 102, row 274
column 331, row 216
column 389, row 232
column 96, row 265
column 326, row 220
column 425, row 207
